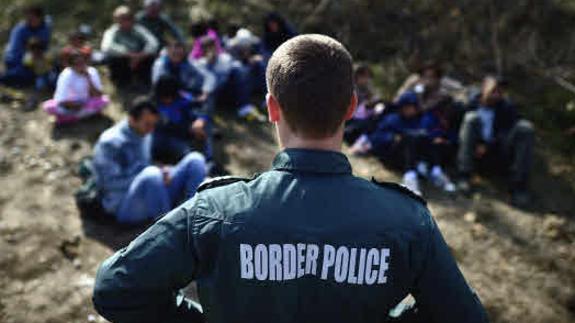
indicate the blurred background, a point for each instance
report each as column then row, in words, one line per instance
column 521, row 261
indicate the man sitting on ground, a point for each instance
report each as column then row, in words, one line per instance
column 493, row 131
column 132, row 189
column 130, row 48
column 36, row 27
column 158, row 23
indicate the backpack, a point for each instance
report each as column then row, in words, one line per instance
column 88, row 198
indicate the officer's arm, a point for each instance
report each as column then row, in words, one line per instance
column 141, row 283
column 441, row 291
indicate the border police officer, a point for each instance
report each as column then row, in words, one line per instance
column 304, row 242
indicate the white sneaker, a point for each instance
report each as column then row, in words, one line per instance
column 411, row 182
column 423, row 169
column 439, row 179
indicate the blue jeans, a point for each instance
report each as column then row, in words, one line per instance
column 149, row 197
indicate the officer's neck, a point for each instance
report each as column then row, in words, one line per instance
column 288, row 139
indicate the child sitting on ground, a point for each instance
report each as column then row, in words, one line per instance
column 401, row 137
column 78, row 92
column 179, row 124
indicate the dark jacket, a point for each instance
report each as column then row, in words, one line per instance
column 176, row 118
column 394, row 124
column 506, row 116
column 304, row 242
column 273, row 40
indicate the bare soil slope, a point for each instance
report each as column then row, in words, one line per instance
column 522, row 263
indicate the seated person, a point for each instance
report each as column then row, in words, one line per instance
column 230, row 87
column 199, row 31
column 431, row 86
column 276, row 31
column 369, row 105
column 401, row 138
column 78, row 92
column 35, row 26
column 442, row 140
column 159, row 24
column 76, row 43
column 132, row 189
column 130, row 49
column 250, row 72
column 42, row 64
column 493, row 131
column 196, row 81
column 179, row 124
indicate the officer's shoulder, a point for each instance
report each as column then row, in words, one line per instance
column 401, row 189
column 223, row 181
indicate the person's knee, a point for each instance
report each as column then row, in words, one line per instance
column 525, row 128
column 195, row 162
column 152, row 175
column 471, row 117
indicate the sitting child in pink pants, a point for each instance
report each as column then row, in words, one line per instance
column 78, row 92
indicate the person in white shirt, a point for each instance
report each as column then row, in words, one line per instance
column 78, row 92
column 130, row 49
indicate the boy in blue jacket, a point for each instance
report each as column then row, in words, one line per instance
column 408, row 137
column 180, row 124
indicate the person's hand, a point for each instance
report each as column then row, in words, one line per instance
column 439, row 141
column 203, row 97
column 480, row 150
column 84, row 72
column 198, row 129
column 166, row 175
column 256, row 59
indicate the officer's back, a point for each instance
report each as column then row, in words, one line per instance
column 304, row 242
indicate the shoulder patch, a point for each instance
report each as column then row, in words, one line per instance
column 400, row 188
column 222, row 181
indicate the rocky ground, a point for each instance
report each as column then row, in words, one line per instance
column 521, row 262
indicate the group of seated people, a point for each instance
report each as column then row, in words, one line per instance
column 421, row 131
column 425, row 128
column 173, row 123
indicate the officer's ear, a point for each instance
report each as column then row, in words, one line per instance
column 274, row 112
column 352, row 107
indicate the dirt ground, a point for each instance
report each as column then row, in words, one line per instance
column 522, row 263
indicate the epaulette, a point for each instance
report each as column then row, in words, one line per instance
column 400, row 188
column 222, row 181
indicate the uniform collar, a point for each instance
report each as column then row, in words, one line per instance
column 313, row 161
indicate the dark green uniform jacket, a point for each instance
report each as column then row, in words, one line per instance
column 304, row 242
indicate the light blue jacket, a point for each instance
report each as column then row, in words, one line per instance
column 120, row 154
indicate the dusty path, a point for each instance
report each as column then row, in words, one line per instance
column 521, row 263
